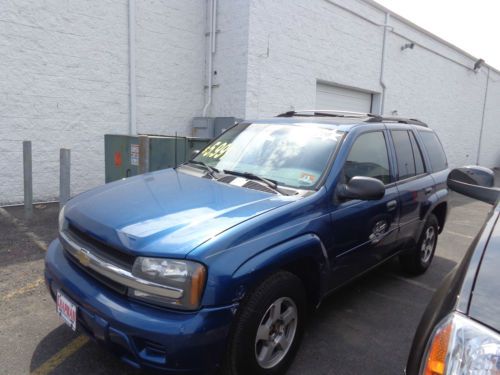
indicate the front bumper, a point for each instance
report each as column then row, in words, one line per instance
column 141, row 335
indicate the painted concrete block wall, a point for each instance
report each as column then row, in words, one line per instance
column 311, row 40
column 230, row 60
column 446, row 95
column 308, row 41
column 490, row 144
column 64, row 71
column 63, row 68
column 170, row 62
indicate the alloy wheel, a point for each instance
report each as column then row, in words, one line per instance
column 276, row 332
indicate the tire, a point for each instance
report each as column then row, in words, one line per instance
column 276, row 310
column 418, row 260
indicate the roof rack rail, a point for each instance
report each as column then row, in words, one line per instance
column 368, row 117
column 401, row 120
column 325, row 113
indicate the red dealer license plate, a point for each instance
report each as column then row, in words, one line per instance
column 66, row 310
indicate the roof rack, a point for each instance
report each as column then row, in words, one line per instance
column 368, row 117
column 401, row 120
column 324, row 113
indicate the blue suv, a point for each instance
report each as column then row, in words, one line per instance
column 214, row 265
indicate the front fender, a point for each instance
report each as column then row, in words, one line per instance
column 296, row 253
column 232, row 282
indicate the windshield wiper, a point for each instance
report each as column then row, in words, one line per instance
column 270, row 183
column 210, row 170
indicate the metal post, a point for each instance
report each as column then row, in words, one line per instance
column 28, row 180
column 64, row 176
column 143, row 154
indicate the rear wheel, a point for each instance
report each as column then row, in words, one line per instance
column 268, row 327
column 418, row 260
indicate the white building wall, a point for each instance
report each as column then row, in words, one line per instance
column 64, row 83
column 308, row 40
column 170, row 59
column 490, row 144
column 315, row 40
column 64, row 71
column 230, row 59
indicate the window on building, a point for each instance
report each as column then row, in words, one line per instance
column 434, row 150
column 368, row 157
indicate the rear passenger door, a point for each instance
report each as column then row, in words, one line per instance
column 364, row 232
column 414, row 183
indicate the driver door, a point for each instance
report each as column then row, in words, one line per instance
column 364, row 233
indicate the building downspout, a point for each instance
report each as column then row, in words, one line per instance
column 132, row 78
column 211, row 50
column 483, row 116
column 382, row 65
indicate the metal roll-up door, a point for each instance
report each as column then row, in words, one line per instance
column 342, row 99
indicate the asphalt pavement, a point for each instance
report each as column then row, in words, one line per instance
column 365, row 328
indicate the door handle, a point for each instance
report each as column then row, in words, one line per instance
column 428, row 190
column 391, row 205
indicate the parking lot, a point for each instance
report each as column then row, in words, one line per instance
column 366, row 328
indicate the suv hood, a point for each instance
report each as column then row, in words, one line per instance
column 165, row 213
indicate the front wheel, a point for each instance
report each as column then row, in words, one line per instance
column 268, row 327
column 418, row 260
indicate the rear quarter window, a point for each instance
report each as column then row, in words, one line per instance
column 434, row 150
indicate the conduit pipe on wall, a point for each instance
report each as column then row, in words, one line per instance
column 131, row 58
column 382, row 65
column 483, row 115
column 211, row 52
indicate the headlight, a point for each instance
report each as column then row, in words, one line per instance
column 62, row 220
column 462, row 346
column 185, row 276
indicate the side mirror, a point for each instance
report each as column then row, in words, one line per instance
column 364, row 188
column 194, row 153
column 475, row 182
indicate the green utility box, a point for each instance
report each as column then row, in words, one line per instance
column 122, row 154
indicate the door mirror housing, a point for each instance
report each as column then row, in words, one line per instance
column 475, row 182
column 363, row 188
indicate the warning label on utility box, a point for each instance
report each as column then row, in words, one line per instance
column 134, row 154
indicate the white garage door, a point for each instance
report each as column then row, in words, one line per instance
column 342, row 99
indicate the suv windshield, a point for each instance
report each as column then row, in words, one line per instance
column 293, row 155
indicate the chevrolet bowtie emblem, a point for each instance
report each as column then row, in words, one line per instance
column 83, row 257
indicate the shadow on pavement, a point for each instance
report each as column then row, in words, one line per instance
column 91, row 358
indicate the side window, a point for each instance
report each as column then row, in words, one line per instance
column 404, row 154
column 417, row 154
column 368, row 157
column 435, row 151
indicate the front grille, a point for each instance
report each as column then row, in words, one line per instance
column 99, row 248
column 117, row 287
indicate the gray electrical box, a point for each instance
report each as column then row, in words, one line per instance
column 221, row 124
column 203, row 127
